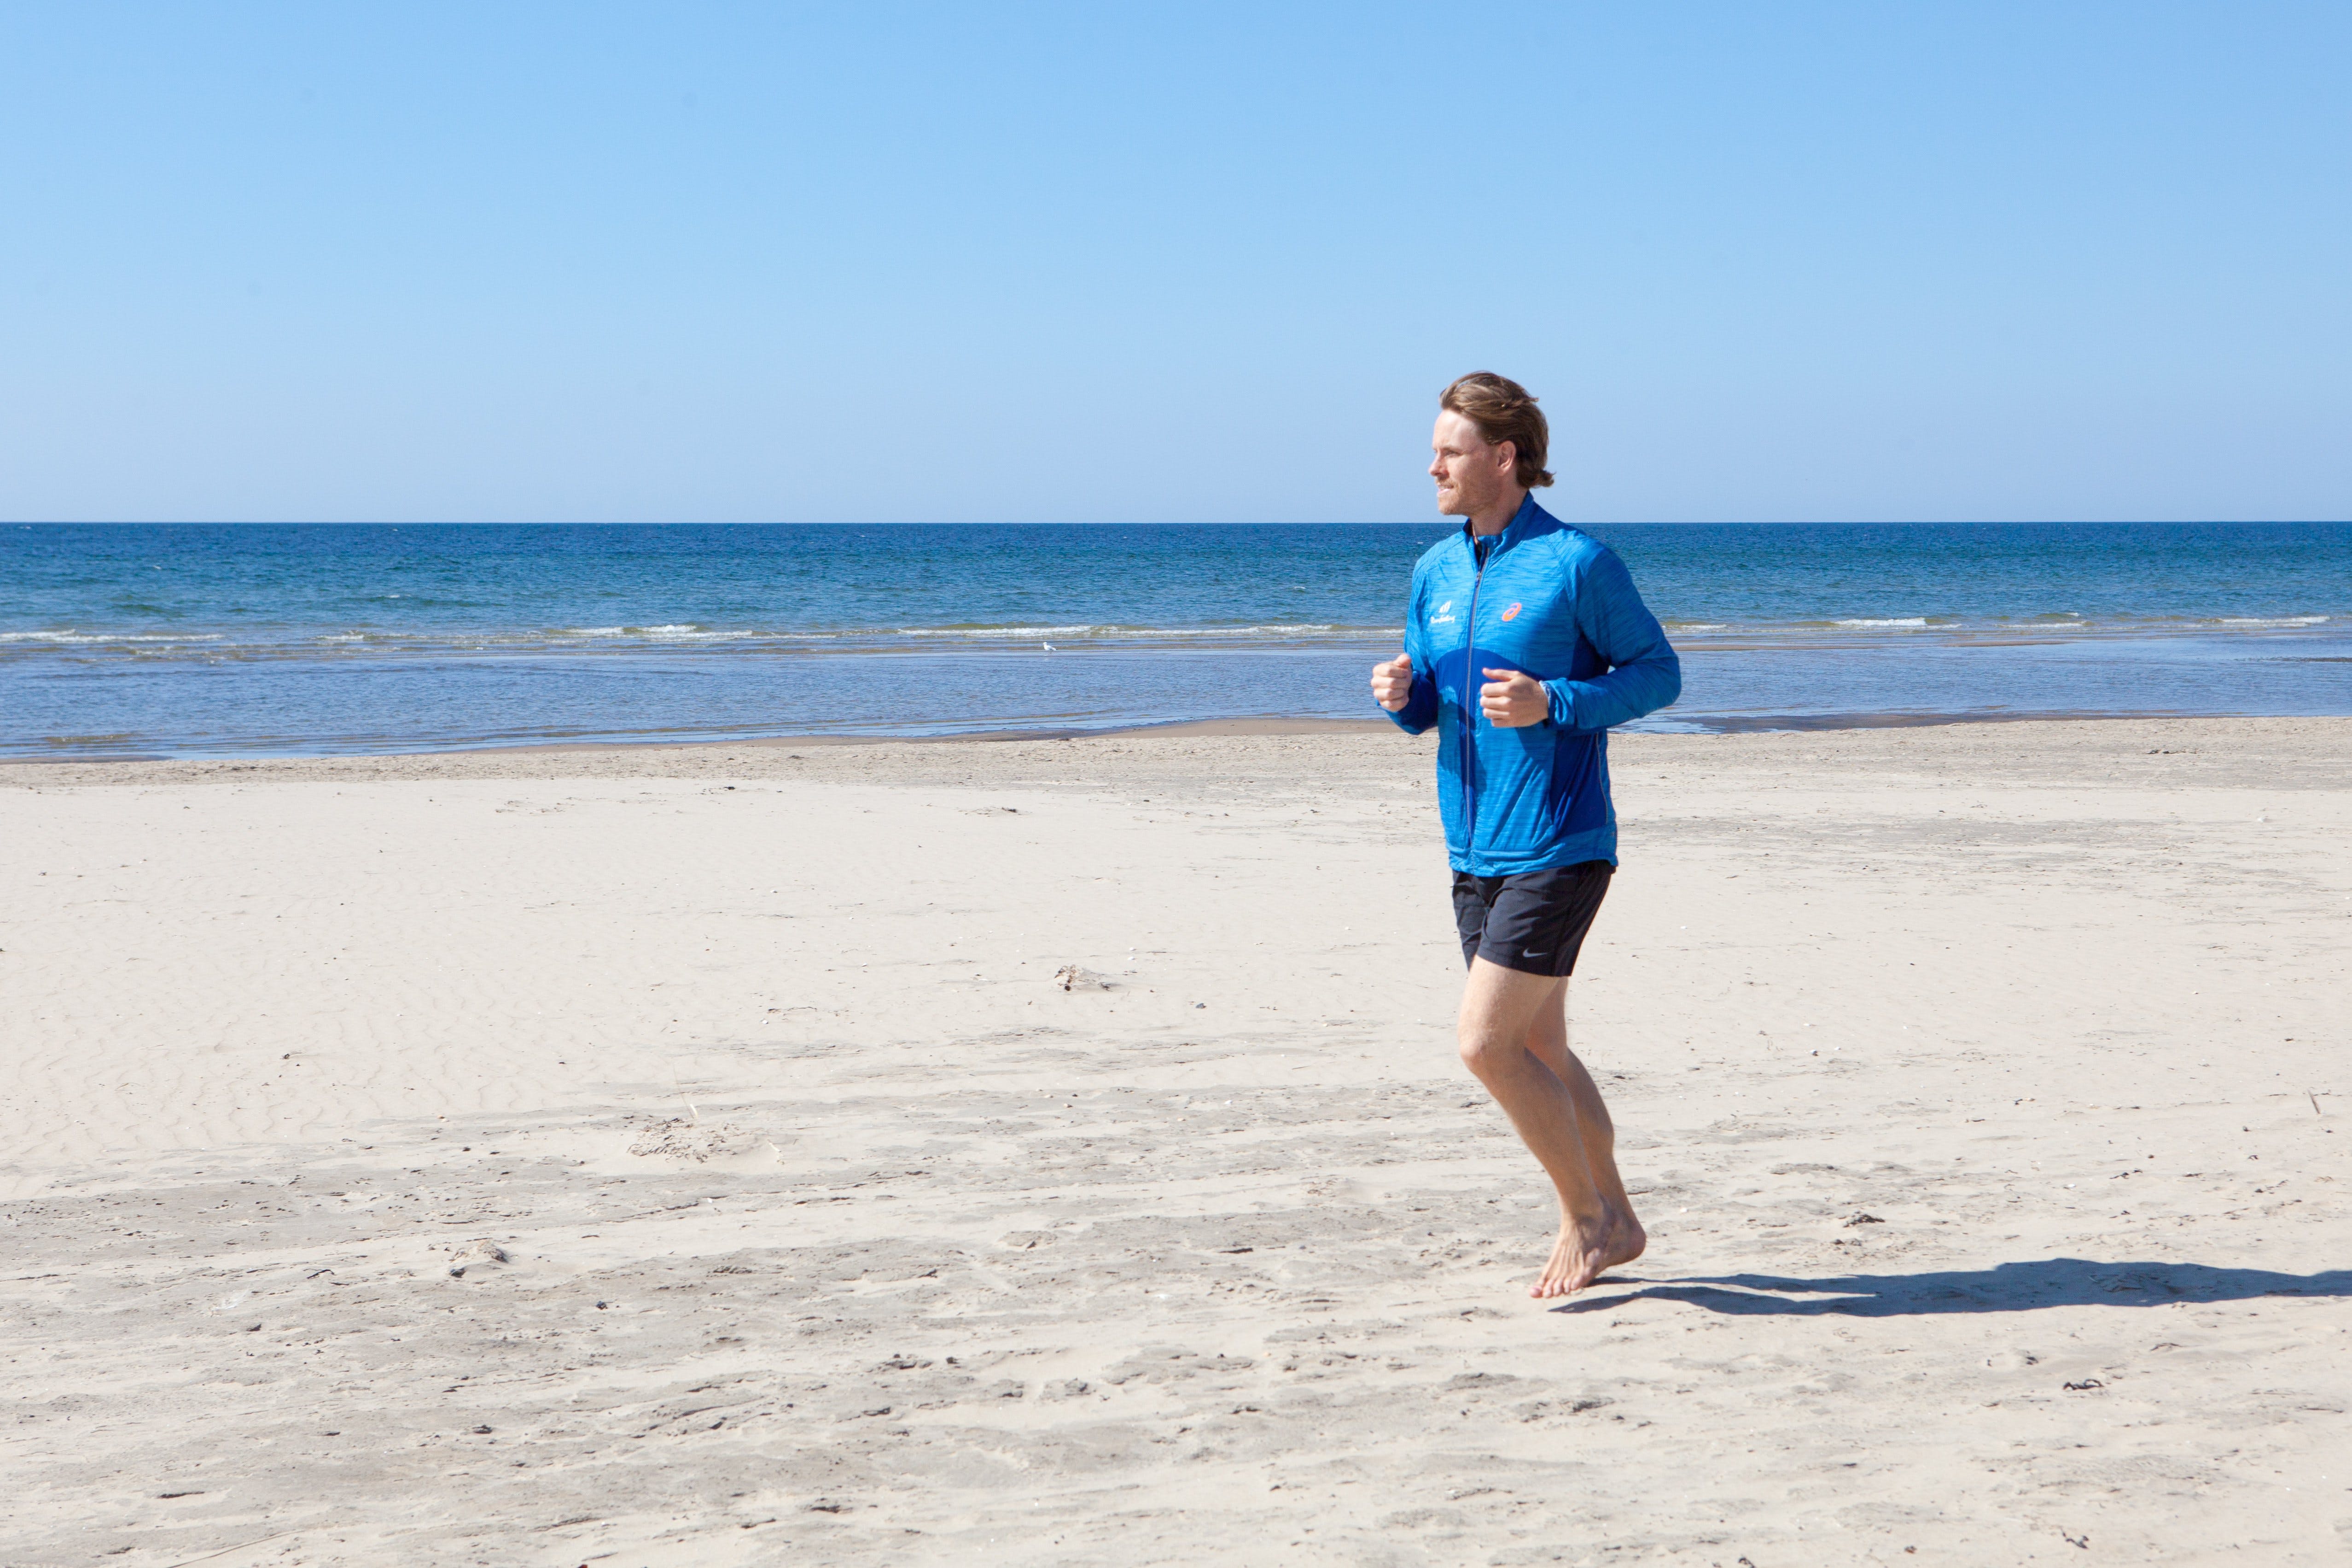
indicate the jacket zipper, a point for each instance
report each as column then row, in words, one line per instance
column 1469, row 675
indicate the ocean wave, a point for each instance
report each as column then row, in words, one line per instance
column 332, row 642
column 1071, row 631
column 1278, row 628
column 590, row 641
column 74, row 637
column 680, row 631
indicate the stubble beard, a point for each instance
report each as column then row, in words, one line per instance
column 1460, row 503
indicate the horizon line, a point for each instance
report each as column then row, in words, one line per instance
column 21, row 523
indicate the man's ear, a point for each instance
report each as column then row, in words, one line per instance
column 1509, row 451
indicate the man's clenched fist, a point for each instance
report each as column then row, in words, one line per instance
column 1392, row 682
column 1513, row 699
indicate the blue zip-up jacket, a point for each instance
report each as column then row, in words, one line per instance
column 1558, row 604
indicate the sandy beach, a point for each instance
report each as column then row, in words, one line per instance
column 1053, row 1151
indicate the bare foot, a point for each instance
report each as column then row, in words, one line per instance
column 1577, row 1257
column 1627, row 1241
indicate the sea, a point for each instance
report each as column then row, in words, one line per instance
column 247, row 639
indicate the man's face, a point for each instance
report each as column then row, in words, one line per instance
column 1472, row 476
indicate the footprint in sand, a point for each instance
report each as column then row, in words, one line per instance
column 679, row 1142
column 477, row 1257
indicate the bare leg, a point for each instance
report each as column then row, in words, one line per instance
column 1500, row 1013
column 1548, row 1040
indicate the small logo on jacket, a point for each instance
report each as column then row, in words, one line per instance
column 1441, row 618
column 1512, row 614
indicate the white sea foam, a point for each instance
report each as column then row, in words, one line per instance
column 1292, row 629
column 677, row 632
column 74, row 637
column 2272, row 620
column 1894, row 621
column 1295, row 628
column 1075, row 631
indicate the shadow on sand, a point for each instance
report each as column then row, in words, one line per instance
column 2007, row 1288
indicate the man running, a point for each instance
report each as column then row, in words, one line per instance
column 1524, row 641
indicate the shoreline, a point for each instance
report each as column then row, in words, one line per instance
column 1221, row 761
column 1262, row 724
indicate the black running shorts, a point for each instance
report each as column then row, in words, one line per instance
column 1533, row 922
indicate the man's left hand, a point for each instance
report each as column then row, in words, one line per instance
column 1512, row 700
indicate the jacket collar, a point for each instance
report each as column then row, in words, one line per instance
column 1523, row 522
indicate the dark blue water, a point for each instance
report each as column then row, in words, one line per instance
column 180, row 639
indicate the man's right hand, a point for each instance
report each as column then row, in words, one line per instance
column 1393, row 683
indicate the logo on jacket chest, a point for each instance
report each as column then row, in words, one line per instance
column 1443, row 615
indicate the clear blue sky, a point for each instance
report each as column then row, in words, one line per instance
column 1964, row 260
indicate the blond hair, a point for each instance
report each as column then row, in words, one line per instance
column 1504, row 411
